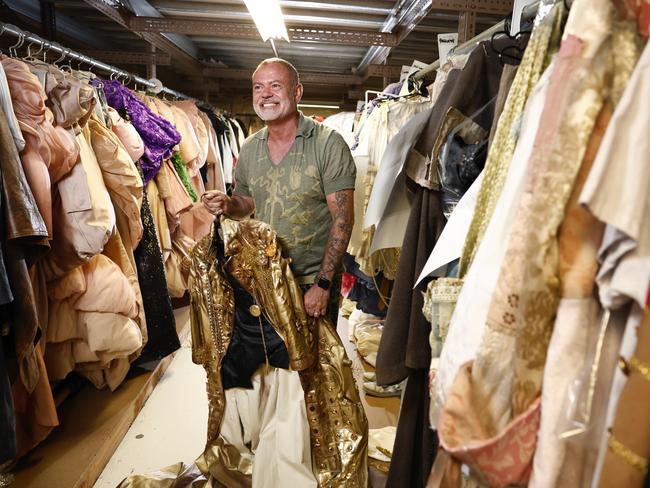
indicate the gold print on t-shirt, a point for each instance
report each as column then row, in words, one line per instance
column 286, row 191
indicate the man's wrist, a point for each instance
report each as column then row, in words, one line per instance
column 323, row 282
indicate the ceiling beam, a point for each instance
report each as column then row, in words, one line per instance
column 383, row 70
column 405, row 16
column 498, row 7
column 121, row 57
column 309, row 78
column 113, row 10
column 66, row 25
column 356, row 37
column 411, row 17
column 466, row 26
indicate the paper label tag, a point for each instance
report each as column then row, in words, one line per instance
column 446, row 42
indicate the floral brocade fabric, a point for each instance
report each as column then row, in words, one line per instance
column 542, row 45
column 501, row 389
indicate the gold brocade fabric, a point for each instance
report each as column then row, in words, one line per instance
column 337, row 422
column 497, row 398
column 439, row 302
column 542, row 45
column 527, row 293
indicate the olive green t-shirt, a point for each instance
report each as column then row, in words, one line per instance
column 290, row 196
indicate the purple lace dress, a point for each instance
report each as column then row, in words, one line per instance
column 159, row 135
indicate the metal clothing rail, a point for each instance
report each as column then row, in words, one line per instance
column 64, row 52
column 529, row 11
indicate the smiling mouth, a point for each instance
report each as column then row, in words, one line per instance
column 268, row 105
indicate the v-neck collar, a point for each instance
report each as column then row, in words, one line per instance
column 305, row 128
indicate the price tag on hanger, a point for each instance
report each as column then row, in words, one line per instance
column 517, row 13
column 446, row 42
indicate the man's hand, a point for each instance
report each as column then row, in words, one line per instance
column 216, row 202
column 316, row 300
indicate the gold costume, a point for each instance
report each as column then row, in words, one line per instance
column 337, row 422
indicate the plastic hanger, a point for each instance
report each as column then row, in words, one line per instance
column 13, row 50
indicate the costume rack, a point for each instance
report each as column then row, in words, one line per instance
column 528, row 13
column 64, row 52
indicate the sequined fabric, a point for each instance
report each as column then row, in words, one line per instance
column 159, row 135
column 338, row 426
column 337, row 422
column 161, row 325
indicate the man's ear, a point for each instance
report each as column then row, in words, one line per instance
column 298, row 92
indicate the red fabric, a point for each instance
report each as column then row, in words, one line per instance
column 347, row 282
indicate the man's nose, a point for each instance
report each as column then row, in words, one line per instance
column 267, row 92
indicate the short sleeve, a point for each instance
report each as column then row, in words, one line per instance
column 241, row 173
column 338, row 171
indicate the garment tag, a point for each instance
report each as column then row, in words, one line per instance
column 408, row 71
column 446, row 42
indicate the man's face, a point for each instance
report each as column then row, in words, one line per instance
column 275, row 97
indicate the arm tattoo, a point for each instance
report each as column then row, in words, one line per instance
column 342, row 209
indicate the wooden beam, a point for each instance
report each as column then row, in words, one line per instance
column 384, row 71
column 497, row 7
column 180, row 25
column 466, row 26
column 308, row 78
column 122, row 57
column 123, row 17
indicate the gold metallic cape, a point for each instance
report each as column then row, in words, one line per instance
column 338, row 425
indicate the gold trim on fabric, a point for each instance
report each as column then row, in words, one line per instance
column 639, row 366
column 627, row 455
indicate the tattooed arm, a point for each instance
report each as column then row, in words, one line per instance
column 341, row 206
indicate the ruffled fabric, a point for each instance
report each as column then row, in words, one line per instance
column 127, row 135
column 159, row 135
column 50, row 152
column 71, row 101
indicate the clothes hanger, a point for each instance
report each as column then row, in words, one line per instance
column 512, row 51
column 13, row 50
column 64, row 53
column 31, row 57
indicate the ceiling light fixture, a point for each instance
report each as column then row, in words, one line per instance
column 268, row 19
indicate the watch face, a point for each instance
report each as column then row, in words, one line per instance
column 324, row 283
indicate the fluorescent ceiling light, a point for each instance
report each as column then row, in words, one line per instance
column 268, row 19
column 309, row 105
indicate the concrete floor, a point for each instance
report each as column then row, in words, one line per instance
column 172, row 425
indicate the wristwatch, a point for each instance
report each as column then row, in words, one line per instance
column 323, row 283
